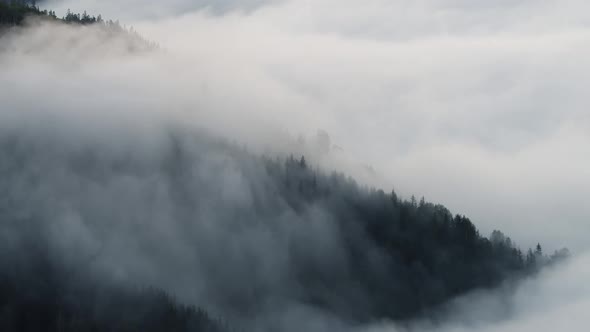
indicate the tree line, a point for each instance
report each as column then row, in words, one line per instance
column 433, row 254
column 390, row 257
column 14, row 13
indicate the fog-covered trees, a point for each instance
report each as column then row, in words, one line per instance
column 20, row 13
column 427, row 255
column 35, row 301
column 358, row 253
column 13, row 12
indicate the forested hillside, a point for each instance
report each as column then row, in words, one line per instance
column 37, row 296
column 16, row 13
column 262, row 232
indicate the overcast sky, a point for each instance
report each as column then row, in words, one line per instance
column 479, row 105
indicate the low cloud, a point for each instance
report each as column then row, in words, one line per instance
column 478, row 106
column 470, row 104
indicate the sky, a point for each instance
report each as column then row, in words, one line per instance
column 478, row 105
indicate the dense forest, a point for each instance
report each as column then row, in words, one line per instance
column 16, row 13
column 35, row 297
column 324, row 241
column 154, row 234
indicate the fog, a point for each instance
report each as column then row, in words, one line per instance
column 458, row 101
column 478, row 106
column 558, row 299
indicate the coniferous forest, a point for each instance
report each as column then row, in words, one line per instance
column 98, row 236
column 386, row 257
column 14, row 12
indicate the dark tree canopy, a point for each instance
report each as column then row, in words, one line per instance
column 401, row 259
column 14, row 13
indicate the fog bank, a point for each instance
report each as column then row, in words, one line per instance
column 476, row 106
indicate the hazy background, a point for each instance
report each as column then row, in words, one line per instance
column 479, row 106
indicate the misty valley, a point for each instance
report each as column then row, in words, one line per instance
column 118, row 213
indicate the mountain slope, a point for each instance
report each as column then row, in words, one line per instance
column 247, row 236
